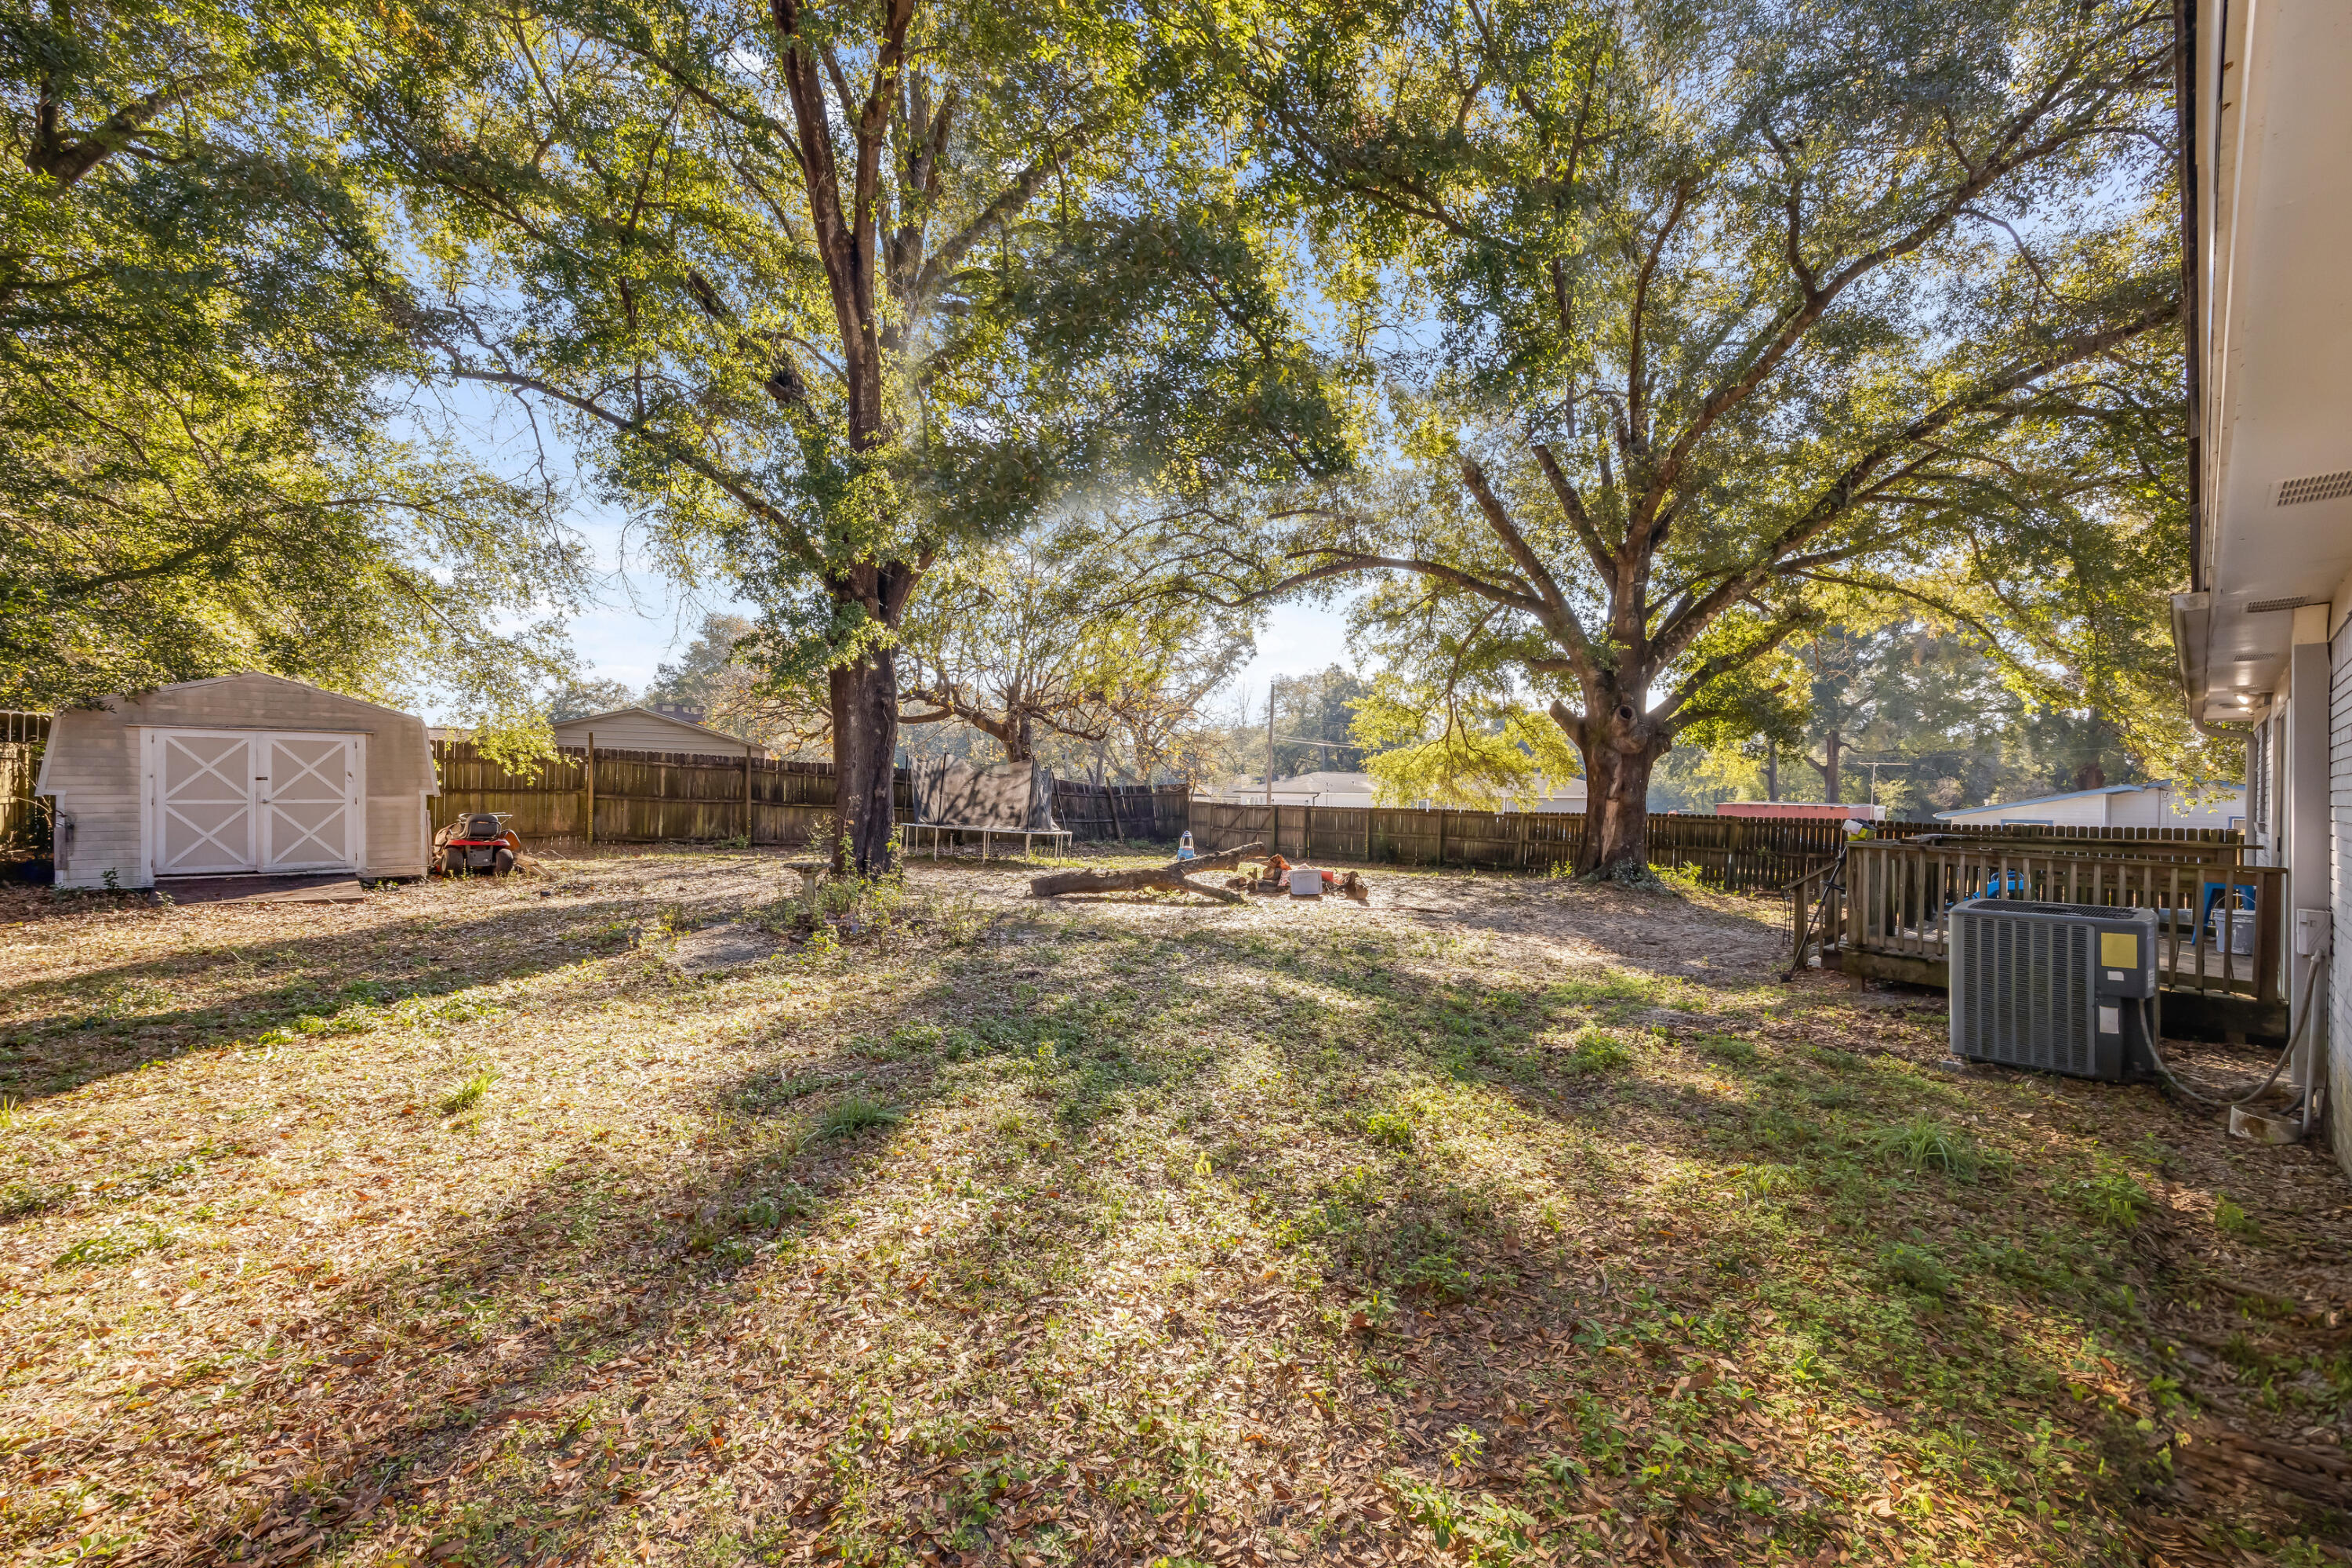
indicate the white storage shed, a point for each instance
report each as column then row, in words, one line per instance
column 243, row 774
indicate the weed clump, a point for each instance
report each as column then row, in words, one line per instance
column 1597, row 1051
column 2231, row 1220
column 2114, row 1198
column 1727, row 1048
column 1773, row 1181
column 1390, row 1127
column 769, row 1210
column 1924, row 1143
column 115, row 1245
column 856, row 1114
column 1920, row 1268
column 1439, row 1274
column 18, row 1199
column 468, row 1094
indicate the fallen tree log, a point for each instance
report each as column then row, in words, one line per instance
column 1170, row 878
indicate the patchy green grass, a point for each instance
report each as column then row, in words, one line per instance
column 462, row 1227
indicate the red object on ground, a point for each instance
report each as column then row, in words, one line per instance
column 1801, row 810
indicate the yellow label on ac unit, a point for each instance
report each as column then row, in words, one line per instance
column 2118, row 949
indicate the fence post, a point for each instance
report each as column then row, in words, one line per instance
column 747, row 794
column 592, row 786
column 1442, row 814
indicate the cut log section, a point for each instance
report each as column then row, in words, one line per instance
column 1171, row 878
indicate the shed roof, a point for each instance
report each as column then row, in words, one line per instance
column 249, row 677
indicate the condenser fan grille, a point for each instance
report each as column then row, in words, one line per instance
column 2023, row 989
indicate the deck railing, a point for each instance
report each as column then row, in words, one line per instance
column 2218, row 921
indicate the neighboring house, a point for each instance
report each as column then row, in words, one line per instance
column 2116, row 805
column 643, row 729
column 2262, row 636
column 1360, row 790
column 1802, row 810
column 242, row 775
column 1306, row 789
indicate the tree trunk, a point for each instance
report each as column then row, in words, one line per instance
column 1617, row 813
column 1832, row 768
column 1772, row 770
column 864, row 760
column 1170, row 878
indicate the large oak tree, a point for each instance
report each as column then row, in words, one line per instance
column 1698, row 303
column 830, row 293
column 201, row 468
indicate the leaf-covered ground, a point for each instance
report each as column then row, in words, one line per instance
column 1506, row 1220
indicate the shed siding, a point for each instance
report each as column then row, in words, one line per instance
column 93, row 768
column 649, row 732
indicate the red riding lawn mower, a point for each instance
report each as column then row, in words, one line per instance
column 479, row 841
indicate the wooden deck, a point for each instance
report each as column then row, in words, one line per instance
column 2221, row 960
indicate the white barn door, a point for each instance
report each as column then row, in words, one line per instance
column 228, row 801
column 309, row 789
column 202, row 795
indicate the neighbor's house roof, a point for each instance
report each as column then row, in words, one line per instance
column 1326, row 782
column 1305, row 784
column 686, row 730
column 2071, row 794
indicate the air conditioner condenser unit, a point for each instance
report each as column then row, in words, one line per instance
column 2065, row 988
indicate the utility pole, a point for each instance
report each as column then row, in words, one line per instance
column 1874, row 768
column 1269, row 751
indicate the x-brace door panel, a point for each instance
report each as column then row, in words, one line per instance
column 203, row 802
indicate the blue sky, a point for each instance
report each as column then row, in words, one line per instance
column 643, row 618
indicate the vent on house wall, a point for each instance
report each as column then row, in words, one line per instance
column 2318, row 487
column 2260, row 606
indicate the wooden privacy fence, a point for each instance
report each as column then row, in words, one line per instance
column 1092, row 811
column 636, row 797
column 644, row 797
column 2218, row 921
column 1738, row 854
column 24, row 819
column 640, row 797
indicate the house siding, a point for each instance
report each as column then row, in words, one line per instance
column 93, row 769
column 649, row 733
column 2339, row 855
